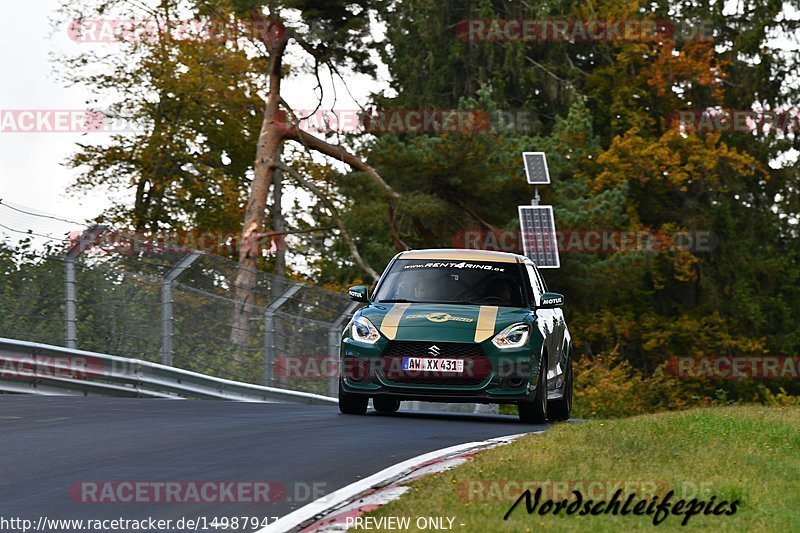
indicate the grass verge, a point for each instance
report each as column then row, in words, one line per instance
column 747, row 454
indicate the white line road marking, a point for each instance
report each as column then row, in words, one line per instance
column 335, row 499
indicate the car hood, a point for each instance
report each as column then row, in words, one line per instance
column 442, row 322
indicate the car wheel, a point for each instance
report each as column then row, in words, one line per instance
column 561, row 409
column 352, row 404
column 385, row 405
column 534, row 410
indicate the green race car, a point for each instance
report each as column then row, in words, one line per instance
column 458, row 326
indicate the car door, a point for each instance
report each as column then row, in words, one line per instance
column 546, row 319
column 561, row 324
column 559, row 335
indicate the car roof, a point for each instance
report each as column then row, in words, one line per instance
column 456, row 254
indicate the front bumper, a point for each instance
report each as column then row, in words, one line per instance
column 491, row 375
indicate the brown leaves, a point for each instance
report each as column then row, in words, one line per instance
column 680, row 162
column 694, row 64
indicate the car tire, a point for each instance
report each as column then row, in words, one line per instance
column 352, row 404
column 561, row 409
column 385, row 406
column 534, row 410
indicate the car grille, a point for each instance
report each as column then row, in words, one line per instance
column 476, row 365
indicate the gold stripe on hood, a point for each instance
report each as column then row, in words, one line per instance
column 487, row 316
column 392, row 319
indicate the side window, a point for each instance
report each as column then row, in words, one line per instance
column 535, row 283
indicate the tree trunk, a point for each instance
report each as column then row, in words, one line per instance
column 278, row 222
column 276, row 289
column 267, row 150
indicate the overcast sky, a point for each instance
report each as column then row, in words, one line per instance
column 30, row 163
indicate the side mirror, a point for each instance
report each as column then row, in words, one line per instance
column 359, row 293
column 551, row 300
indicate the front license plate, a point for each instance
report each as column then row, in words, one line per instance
column 436, row 365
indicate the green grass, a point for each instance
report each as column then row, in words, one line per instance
column 745, row 453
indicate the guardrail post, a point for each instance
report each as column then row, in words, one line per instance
column 269, row 330
column 167, row 285
column 86, row 239
column 334, row 341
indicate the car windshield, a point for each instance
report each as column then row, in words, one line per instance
column 453, row 282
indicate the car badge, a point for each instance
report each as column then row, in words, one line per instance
column 438, row 317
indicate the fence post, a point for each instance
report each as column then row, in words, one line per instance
column 269, row 330
column 70, row 326
column 334, row 341
column 167, row 284
column 86, row 239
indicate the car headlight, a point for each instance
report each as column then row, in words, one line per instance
column 362, row 330
column 513, row 336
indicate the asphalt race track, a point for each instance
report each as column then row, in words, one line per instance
column 52, row 445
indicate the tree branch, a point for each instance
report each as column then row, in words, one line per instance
column 471, row 212
column 339, row 222
column 337, row 152
column 332, row 150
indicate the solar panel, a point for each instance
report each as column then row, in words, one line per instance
column 538, row 230
column 536, row 168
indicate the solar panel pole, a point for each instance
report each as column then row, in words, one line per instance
column 537, row 223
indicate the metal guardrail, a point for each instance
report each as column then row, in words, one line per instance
column 33, row 368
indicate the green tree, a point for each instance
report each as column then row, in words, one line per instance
column 606, row 119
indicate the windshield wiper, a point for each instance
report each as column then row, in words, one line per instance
column 397, row 301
